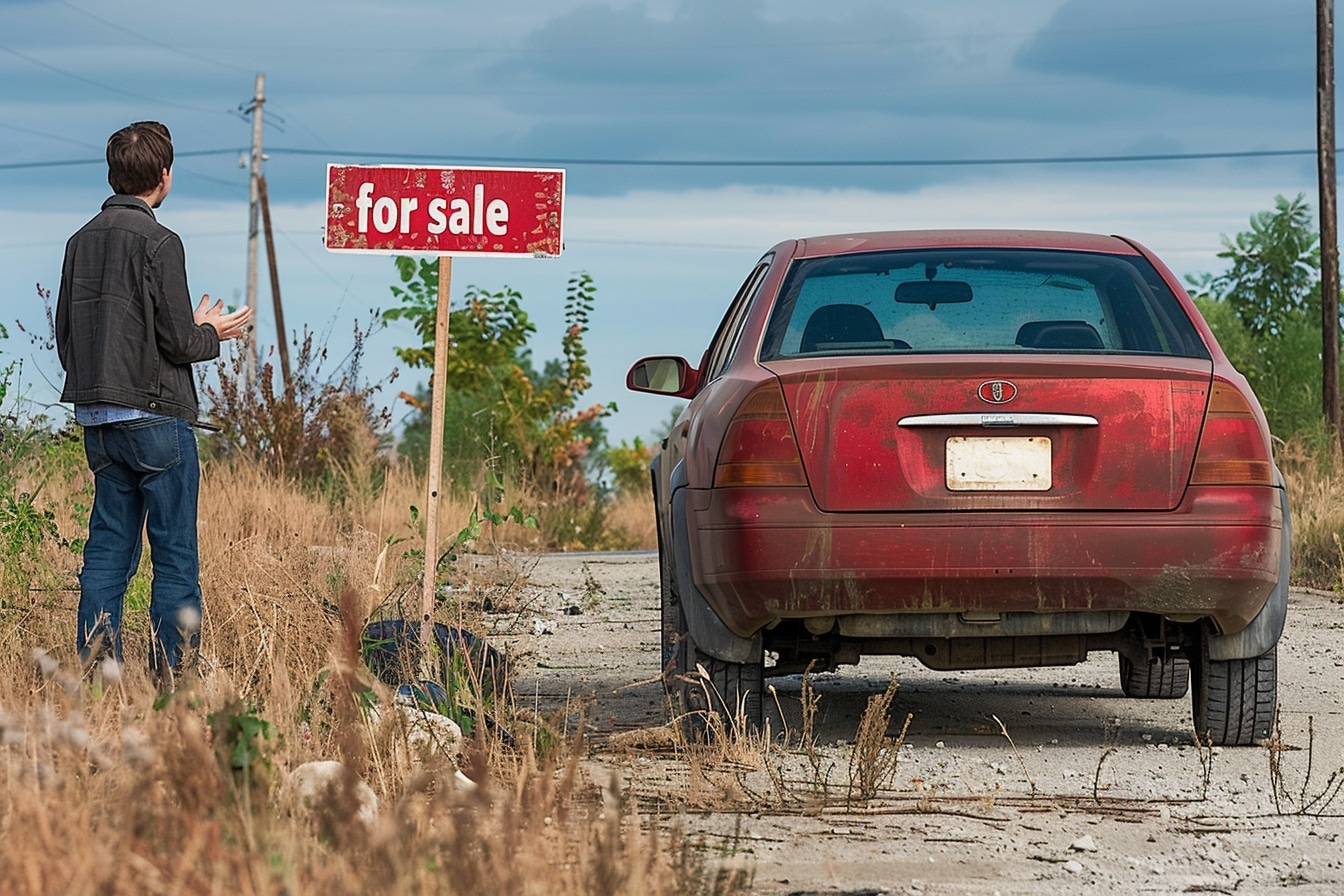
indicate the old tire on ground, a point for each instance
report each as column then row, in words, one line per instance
column 1234, row 700
column 1156, row 680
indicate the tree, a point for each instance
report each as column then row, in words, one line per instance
column 1275, row 274
column 500, row 412
column 1265, row 311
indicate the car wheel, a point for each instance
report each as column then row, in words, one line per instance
column 1155, row 680
column 713, row 698
column 1234, row 700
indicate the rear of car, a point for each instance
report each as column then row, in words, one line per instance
column 980, row 449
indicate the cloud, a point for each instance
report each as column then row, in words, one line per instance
column 719, row 56
column 1247, row 48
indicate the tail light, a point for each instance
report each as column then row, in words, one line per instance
column 1232, row 449
column 759, row 448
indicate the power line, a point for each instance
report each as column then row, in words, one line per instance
column 195, row 57
column 67, row 163
column 829, row 163
column 723, row 163
column 102, row 85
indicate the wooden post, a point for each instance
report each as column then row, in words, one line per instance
column 283, row 343
column 435, row 473
column 1325, row 147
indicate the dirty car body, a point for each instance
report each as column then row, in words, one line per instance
column 981, row 449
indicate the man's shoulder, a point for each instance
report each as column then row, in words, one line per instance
column 131, row 214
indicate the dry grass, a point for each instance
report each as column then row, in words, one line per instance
column 1316, row 499
column 873, row 761
column 630, row 518
column 106, row 788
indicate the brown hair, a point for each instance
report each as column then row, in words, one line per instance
column 137, row 156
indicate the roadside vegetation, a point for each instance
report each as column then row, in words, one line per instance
column 1265, row 310
column 312, row 525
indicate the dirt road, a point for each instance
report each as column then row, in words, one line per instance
column 1034, row 781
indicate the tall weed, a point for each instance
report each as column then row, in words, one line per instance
column 1314, row 472
column 323, row 429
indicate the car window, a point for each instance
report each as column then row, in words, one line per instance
column 976, row 300
column 730, row 329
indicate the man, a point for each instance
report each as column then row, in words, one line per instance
column 127, row 337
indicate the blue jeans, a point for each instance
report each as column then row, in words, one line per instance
column 146, row 477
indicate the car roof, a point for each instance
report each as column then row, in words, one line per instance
column 843, row 243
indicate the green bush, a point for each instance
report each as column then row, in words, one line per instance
column 1265, row 311
column 502, row 416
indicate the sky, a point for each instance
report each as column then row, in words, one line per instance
column 695, row 134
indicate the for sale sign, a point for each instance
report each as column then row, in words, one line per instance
column 444, row 211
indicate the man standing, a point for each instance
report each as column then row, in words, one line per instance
column 127, row 337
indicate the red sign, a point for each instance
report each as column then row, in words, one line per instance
column 444, row 211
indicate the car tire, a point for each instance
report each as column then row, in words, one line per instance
column 714, row 699
column 1155, row 680
column 1234, row 700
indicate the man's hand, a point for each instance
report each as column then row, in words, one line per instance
column 227, row 325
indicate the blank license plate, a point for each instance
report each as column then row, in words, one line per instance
column 998, row 464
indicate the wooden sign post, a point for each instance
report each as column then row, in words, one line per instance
column 399, row 210
column 438, row 398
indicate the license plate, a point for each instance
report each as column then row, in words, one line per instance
column 1016, row 464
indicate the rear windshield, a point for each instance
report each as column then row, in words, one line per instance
column 977, row 300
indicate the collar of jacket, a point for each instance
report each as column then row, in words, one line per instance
column 122, row 201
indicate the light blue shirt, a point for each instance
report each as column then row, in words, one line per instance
column 98, row 414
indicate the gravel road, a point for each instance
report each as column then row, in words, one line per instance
column 1031, row 781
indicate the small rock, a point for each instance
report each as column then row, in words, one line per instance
column 430, row 732
column 317, row 787
column 1073, row 866
column 1084, row 843
column 540, row 627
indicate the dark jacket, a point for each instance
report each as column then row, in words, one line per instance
column 124, row 327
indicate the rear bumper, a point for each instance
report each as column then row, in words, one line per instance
column 760, row 555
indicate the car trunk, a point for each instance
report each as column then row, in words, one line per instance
column 1057, row 432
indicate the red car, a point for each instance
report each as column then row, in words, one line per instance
column 981, row 449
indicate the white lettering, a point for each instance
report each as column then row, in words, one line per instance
column 438, row 221
column 460, row 220
column 364, row 203
column 497, row 217
column 385, row 214
column 407, row 206
column 461, row 216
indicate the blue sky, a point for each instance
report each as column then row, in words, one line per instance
column 695, row 134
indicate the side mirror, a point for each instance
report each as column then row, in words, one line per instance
column 663, row 375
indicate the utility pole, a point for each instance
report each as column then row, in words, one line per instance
column 1325, row 147
column 254, row 194
column 282, row 342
